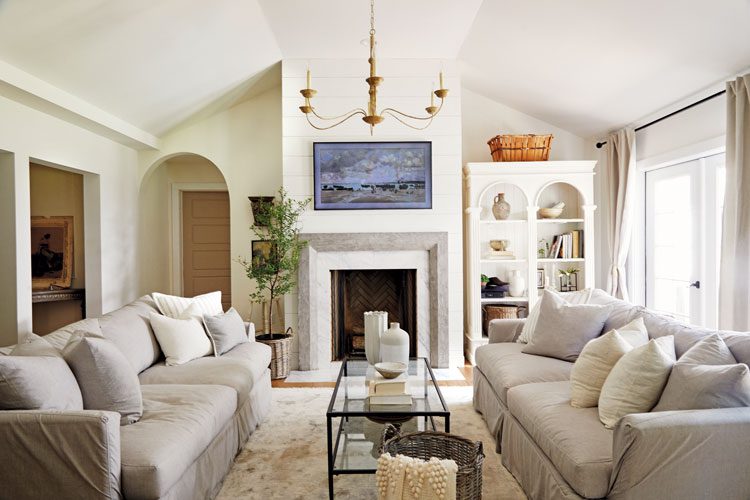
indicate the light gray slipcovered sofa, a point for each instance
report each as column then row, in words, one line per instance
column 556, row 451
column 196, row 418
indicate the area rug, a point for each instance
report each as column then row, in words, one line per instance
column 285, row 458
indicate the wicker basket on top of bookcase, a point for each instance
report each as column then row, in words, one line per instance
column 520, row 147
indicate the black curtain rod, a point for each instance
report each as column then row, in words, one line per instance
column 600, row 144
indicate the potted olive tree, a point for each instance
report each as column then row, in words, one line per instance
column 273, row 266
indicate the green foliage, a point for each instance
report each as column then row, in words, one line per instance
column 485, row 279
column 276, row 222
column 568, row 271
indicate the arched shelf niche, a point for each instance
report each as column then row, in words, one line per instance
column 514, row 195
column 555, row 192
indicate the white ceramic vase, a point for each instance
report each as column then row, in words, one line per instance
column 517, row 284
column 375, row 325
column 394, row 345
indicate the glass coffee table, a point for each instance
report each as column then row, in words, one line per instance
column 355, row 430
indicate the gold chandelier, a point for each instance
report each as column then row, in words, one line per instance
column 371, row 116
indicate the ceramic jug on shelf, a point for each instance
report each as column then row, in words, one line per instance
column 517, row 284
column 394, row 345
column 500, row 208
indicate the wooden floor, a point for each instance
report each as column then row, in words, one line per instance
column 466, row 370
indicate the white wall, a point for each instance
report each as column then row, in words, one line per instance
column 110, row 206
column 483, row 118
column 244, row 142
column 407, row 84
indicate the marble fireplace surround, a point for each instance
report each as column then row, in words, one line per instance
column 426, row 252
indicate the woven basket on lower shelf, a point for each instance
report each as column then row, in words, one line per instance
column 280, row 347
column 468, row 455
column 520, row 147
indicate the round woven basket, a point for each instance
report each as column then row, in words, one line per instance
column 280, row 346
column 468, row 455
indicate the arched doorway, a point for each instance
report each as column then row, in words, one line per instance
column 185, row 228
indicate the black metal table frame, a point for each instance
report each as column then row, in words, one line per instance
column 333, row 447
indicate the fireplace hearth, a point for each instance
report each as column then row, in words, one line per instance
column 355, row 291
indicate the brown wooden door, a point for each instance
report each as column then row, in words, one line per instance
column 205, row 244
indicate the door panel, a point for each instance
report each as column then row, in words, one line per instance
column 205, row 244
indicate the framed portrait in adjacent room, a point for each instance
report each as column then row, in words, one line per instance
column 51, row 252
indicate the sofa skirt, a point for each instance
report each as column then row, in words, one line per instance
column 487, row 402
column 203, row 479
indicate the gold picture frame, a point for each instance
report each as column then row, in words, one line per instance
column 51, row 252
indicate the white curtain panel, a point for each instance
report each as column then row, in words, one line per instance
column 734, row 282
column 620, row 190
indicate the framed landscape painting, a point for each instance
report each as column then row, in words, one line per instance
column 372, row 175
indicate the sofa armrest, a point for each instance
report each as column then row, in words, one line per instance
column 250, row 329
column 55, row 454
column 682, row 454
column 504, row 330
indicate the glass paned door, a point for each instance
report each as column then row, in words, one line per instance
column 683, row 229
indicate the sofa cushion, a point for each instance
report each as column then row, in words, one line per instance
column 130, row 330
column 573, row 439
column 592, row 367
column 173, row 305
column 178, row 424
column 181, row 339
column 225, row 330
column 711, row 350
column 59, row 338
column 577, row 297
column 238, row 371
column 505, row 366
column 700, row 387
column 38, row 383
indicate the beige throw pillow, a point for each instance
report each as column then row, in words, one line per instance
column 579, row 297
column 634, row 333
column 637, row 380
column 173, row 306
column 710, row 350
column 702, row 387
column 181, row 339
column 591, row 368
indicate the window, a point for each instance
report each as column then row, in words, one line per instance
column 682, row 239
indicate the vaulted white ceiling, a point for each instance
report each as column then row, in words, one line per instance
column 580, row 65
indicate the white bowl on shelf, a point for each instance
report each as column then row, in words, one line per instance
column 390, row 370
column 550, row 213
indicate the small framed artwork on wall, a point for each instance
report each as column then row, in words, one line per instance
column 540, row 278
column 262, row 253
column 372, row 175
column 51, row 252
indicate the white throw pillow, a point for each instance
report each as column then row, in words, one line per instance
column 579, row 297
column 593, row 365
column 181, row 339
column 637, row 380
column 172, row 305
column 634, row 333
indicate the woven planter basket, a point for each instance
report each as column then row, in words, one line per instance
column 280, row 347
column 520, row 147
column 468, row 455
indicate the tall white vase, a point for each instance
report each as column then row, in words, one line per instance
column 394, row 345
column 517, row 284
column 375, row 323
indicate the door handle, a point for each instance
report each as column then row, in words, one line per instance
column 696, row 284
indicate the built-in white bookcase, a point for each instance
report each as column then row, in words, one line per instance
column 528, row 186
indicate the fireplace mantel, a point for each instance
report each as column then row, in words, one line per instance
column 427, row 252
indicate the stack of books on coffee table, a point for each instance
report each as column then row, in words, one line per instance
column 389, row 394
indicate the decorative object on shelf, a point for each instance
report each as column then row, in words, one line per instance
column 500, row 207
column 520, row 147
column 569, row 279
column 394, row 345
column 498, row 312
column 541, row 279
column 552, row 212
column 372, row 175
column 484, row 280
column 52, row 252
column 274, row 274
column 517, row 284
column 375, row 323
column 256, row 205
column 567, row 245
column 543, row 248
column 495, row 281
column 499, row 245
column 390, row 369
column 371, row 116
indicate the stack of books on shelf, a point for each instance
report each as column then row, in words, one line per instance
column 389, row 394
column 500, row 255
column 567, row 246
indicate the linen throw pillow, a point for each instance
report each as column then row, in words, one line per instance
column 107, row 380
column 710, row 350
column 634, row 333
column 35, row 346
column 38, row 383
column 636, row 382
column 591, row 368
column 701, row 387
column 579, row 297
column 226, row 330
column 172, row 306
column 181, row 339
column 563, row 329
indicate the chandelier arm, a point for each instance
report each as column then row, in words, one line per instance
column 351, row 114
column 389, row 111
column 358, row 110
